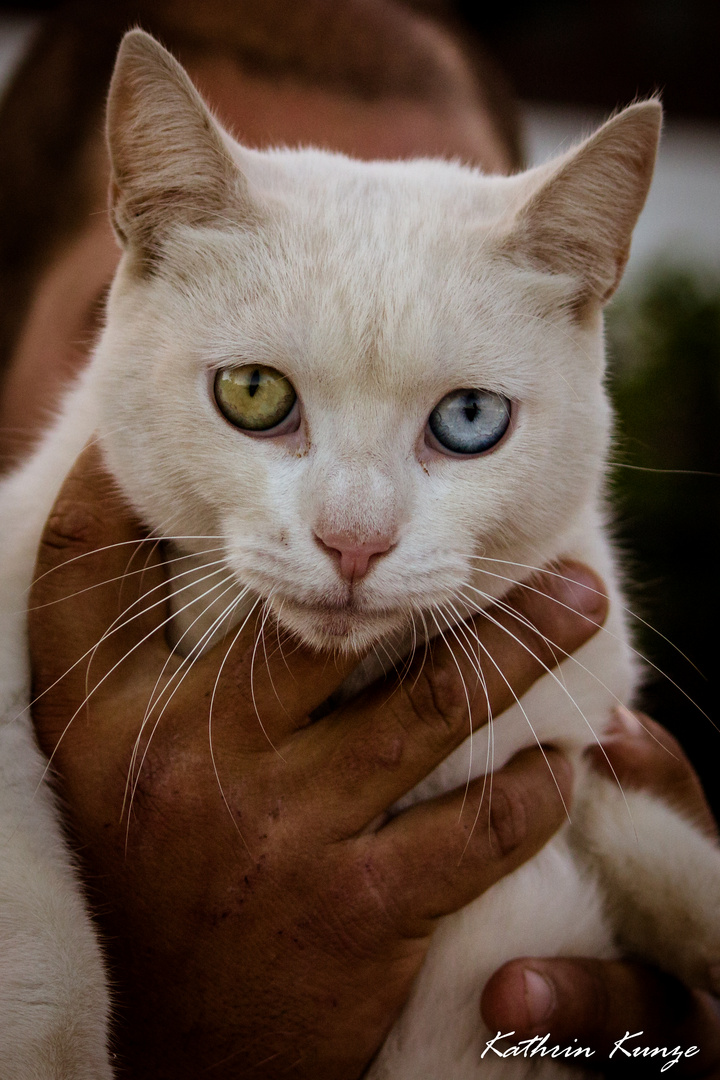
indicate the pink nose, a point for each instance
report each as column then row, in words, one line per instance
column 354, row 558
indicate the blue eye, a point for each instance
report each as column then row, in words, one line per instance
column 470, row 421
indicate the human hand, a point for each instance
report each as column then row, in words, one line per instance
column 596, row 1002
column 258, row 910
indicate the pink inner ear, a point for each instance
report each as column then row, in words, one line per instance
column 168, row 157
column 580, row 219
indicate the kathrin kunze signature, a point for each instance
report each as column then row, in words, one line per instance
column 537, row 1046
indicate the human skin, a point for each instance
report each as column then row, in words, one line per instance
column 260, row 912
column 138, row 894
column 266, row 915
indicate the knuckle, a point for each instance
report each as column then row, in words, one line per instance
column 382, row 899
column 508, row 821
column 535, row 639
column 438, row 699
column 71, row 525
column 358, row 908
column 356, row 765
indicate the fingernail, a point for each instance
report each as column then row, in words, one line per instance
column 540, row 997
column 579, row 588
column 623, row 722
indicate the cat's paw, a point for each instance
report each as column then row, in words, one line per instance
column 661, row 877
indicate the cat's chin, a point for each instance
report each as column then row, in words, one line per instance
column 337, row 628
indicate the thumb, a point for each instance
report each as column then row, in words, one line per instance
column 593, row 1003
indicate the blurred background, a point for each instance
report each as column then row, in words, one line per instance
column 572, row 64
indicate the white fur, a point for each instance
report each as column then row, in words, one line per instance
column 376, row 289
column 54, row 1001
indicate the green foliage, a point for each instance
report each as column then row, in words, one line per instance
column 664, row 345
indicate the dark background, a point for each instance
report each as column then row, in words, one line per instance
column 599, row 52
column 605, row 52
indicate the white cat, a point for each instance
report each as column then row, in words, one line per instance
column 379, row 382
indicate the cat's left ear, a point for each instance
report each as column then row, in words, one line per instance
column 578, row 216
column 169, row 162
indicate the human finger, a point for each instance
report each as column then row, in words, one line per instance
column 441, row 854
column 517, row 641
column 385, row 741
column 281, row 683
column 610, row 1007
column 641, row 753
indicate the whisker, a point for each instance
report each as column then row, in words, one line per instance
column 668, row 472
column 233, row 583
column 114, row 628
column 210, row 718
column 155, row 698
column 391, row 660
column 391, row 665
column 279, row 639
column 135, row 770
column 568, row 656
column 596, row 592
column 121, row 543
column 604, row 630
column 461, row 625
column 127, row 574
column 411, row 654
column 149, row 553
column 90, row 652
column 524, row 621
column 549, row 671
column 522, row 707
column 426, row 635
column 265, row 610
column 465, row 692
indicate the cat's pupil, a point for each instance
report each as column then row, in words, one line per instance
column 254, row 383
column 471, row 411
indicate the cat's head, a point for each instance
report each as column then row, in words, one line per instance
column 362, row 378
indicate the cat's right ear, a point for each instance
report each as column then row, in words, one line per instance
column 169, row 164
column 578, row 218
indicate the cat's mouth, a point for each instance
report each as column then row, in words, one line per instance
column 337, row 624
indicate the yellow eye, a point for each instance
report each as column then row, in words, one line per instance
column 254, row 397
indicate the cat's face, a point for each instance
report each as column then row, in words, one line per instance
column 361, row 488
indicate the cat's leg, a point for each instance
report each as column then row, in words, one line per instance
column 54, row 1003
column 549, row 906
column 661, row 876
